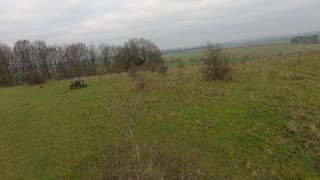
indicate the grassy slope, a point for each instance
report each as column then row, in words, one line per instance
column 235, row 129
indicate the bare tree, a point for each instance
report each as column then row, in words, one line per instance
column 150, row 52
column 106, row 54
column 138, row 52
column 76, row 59
column 6, row 74
column 216, row 67
column 93, row 57
column 69, row 60
column 23, row 60
column 40, row 56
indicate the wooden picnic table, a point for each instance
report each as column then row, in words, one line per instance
column 77, row 84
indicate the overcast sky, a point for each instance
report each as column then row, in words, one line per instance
column 169, row 23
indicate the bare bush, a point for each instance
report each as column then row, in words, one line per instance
column 153, row 68
column 157, row 162
column 35, row 78
column 58, row 76
column 141, row 82
column 129, row 159
column 117, row 69
column 132, row 71
column 216, row 67
column 163, row 70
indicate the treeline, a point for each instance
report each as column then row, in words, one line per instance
column 23, row 61
column 312, row 39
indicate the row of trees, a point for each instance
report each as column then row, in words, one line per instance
column 27, row 58
column 312, row 39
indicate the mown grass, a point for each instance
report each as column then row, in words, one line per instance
column 263, row 124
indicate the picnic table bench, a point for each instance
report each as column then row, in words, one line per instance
column 77, row 84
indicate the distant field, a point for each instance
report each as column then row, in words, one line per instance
column 253, row 53
column 184, row 56
column 267, row 51
column 183, row 63
column 264, row 124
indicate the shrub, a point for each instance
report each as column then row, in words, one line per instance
column 141, row 82
column 132, row 72
column 153, row 68
column 58, row 76
column 100, row 73
column 117, row 69
column 210, row 73
column 35, row 78
column 163, row 70
column 216, row 67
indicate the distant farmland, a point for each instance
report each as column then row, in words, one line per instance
column 237, row 54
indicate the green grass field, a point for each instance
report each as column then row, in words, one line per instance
column 262, row 124
column 236, row 54
column 187, row 56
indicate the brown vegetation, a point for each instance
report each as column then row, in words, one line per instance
column 163, row 70
column 216, row 66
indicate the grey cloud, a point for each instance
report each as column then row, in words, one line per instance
column 170, row 23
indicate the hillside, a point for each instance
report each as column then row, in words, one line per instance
column 262, row 124
column 283, row 39
column 237, row 54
